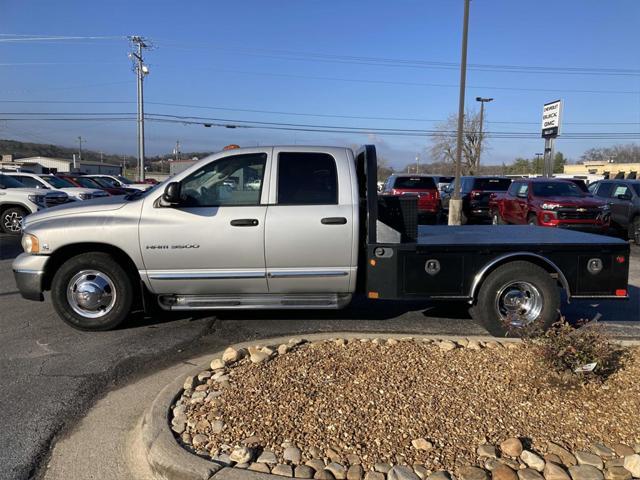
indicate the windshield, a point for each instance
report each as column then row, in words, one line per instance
column 86, row 182
column 8, row 182
column 556, row 189
column 124, row 180
column 105, row 182
column 492, row 184
column 421, row 183
column 57, row 181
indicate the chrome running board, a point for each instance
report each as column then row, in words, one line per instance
column 255, row 301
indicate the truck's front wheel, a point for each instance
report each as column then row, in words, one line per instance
column 515, row 296
column 91, row 291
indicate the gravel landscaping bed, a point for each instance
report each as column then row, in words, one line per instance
column 406, row 409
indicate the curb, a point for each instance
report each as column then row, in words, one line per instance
column 170, row 461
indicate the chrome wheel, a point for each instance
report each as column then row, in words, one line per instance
column 494, row 219
column 519, row 303
column 12, row 222
column 91, row 293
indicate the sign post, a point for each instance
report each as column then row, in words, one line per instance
column 551, row 115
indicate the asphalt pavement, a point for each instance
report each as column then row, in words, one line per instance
column 51, row 374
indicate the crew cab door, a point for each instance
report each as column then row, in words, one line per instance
column 621, row 202
column 310, row 228
column 213, row 241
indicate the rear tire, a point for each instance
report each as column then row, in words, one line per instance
column 92, row 292
column 514, row 296
column 496, row 218
column 11, row 220
column 532, row 220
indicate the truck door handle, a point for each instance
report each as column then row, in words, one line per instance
column 333, row 221
column 244, row 222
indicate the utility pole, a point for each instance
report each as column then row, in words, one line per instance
column 482, row 102
column 80, row 149
column 538, row 155
column 177, row 152
column 455, row 204
column 101, row 157
column 417, row 163
column 139, row 43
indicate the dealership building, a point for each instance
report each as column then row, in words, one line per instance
column 608, row 169
column 41, row 165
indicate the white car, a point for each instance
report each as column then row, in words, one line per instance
column 51, row 182
column 17, row 201
column 118, row 181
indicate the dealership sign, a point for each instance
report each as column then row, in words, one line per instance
column 551, row 113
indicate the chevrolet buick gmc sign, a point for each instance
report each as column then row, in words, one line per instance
column 551, row 113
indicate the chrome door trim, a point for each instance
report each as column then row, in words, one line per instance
column 202, row 274
column 307, row 273
column 482, row 273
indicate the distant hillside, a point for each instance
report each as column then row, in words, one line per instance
column 26, row 149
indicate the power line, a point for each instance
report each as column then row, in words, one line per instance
column 50, row 38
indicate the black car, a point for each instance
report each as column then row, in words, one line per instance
column 623, row 197
column 476, row 192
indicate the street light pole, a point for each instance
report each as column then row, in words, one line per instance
column 455, row 204
column 538, row 155
column 482, row 102
column 141, row 70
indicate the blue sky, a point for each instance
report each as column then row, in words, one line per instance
column 234, row 55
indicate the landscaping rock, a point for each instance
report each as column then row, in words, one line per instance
column 259, row 467
column 567, row 457
column 474, row 345
column 217, row 364
column 553, row 471
column 241, row 455
column 374, row 476
column 602, row 451
column 552, row 457
column 324, row 475
column 617, row 473
column 585, row 472
column 472, row 473
column 441, row 475
column 503, row 472
column 292, row 454
column 622, row 450
column 283, row 470
column 422, row 444
column 356, row 472
column 333, row 455
column 487, row 450
column 420, row 470
column 217, row 426
column 529, row 474
column 267, row 456
column 402, row 472
column 632, row 463
column 353, row 459
column 586, row 458
column 317, row 464
column 532, row 460
column 189, row 383
column 382, row 467
column 492, row 463
column 512, row 447
column 392, row 341
column 258, row 356
column 303, row 471
column 447, row 345
column 338, row 470
column 231, row 355
column 199, row 440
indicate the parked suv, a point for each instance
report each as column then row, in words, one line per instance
column 18, row 201
column 476, row 193
column 52, row 182
column 422, row 186
column 551, row 202
column 623, row 197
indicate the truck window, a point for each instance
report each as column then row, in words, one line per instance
column 28, row 181
column 307, row 179
column 418, row 183
column 513, row 188
column 492, row 184
column 235, row 180
column 556, row 189
column 621, row 190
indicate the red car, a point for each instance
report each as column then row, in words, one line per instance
column 550, row 202
column 422, row 186
column 86, row 182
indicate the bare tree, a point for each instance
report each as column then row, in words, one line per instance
column 618, row 153
column 443, row 142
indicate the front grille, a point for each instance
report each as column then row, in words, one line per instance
column 52, row 200
column 577, row 213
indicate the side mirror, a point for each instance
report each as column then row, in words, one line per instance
column 172, row 193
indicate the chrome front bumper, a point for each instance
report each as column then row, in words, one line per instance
column 28, row 271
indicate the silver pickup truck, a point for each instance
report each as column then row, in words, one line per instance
column 297, row 227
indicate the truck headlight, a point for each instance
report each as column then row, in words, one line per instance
column 37, row 199
column 30, row 244
column 550, row 206
column 85, row 196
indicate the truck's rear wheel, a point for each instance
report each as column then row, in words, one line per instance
column 496, row 218
column 532, row 219
column 514, row 296
column 11, row 221
column 91, row 291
